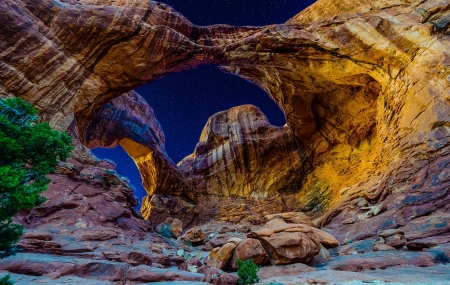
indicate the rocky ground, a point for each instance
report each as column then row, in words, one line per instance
column 89, row 232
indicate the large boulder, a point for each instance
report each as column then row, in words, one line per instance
column 250, row 248
column 290, row 243
column 220, row 257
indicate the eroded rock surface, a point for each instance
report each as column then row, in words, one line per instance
column 240, row 154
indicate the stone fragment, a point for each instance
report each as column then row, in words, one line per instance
column 37, row 236
column 170, row 228
column 360, row 202
column 325, row 238
column 177, row 228
column 244, row 229
column 226, row 229
column 373, row 211
column 219, row 240
column 210, row 273
column 391, row 232
column 349, row 221
column 396, row 240
column 346, row 250
column 225, row 279
column 96, row 235
column 194, row 235
column 381, row 247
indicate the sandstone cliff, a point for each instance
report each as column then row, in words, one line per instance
column 129, row 121
column 241, row 155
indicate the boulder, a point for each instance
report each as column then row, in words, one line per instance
column 381, row 247
column 177, row 228
column 325, row 238
column 219, row 240
column 346, row 250
column 194, row 235
column 250, row 248
column 170, row 228
column 396, row 240
column 220, row 257
column 284, row 247
column 225, row 279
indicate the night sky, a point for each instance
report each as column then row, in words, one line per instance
column 183, row 102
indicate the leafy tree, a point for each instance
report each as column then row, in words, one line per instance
column 29, row 150
column 247, row 272
column 5, row 281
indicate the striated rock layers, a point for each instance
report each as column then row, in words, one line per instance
column 241, row 155
column 129, row 121
column 364, row 85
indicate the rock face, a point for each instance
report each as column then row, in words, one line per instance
column 129, row 121
column 364, row 86
column 89, row 232
column 86, row 203
column 240, row 154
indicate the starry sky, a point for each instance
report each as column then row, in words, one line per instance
column 183, row 102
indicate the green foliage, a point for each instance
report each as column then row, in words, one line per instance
column 29, row 150
column 5, row 281
column 247, row 272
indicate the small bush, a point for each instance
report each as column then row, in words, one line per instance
column 5, row 281
column 247, row 272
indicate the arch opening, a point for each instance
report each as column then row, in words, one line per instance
column 182, row 103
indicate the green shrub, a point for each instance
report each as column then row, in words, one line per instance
column 29, row 150
column 247, row 272
column 5, row 281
